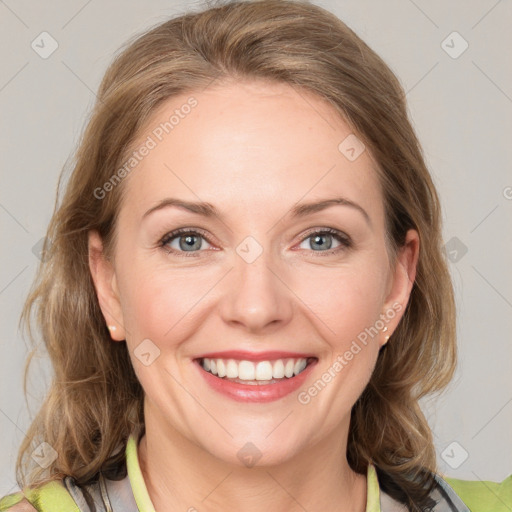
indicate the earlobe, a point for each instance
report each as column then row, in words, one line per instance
column 104, row 278
column 402, row 280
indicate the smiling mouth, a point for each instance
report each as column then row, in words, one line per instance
column 256, row 373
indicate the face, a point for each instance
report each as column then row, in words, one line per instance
column 263, row 279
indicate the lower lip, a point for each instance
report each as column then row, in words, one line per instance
column 256, row 393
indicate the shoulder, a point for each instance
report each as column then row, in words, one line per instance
column 52, row 496
column 22, row 506
column 483, row 495
column 15, row 503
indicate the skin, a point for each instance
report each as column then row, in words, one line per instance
column 253, row 150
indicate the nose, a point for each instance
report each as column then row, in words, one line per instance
column 256, row 297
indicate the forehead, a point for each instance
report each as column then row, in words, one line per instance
column 254, row 144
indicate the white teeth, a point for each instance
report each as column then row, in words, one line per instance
column 246, row 370
column 231, row 369
column 288, row 368
column 250, row 371
column 299, row 366
column 278, row 369
column 264, row 370
column 221, row 368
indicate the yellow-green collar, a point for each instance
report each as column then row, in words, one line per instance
column 140, row 492
column 144, row 503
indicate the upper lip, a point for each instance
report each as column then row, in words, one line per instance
column 244, row 355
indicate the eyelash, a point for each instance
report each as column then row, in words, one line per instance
column 345, row 241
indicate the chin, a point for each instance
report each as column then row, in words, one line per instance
column 254, row 452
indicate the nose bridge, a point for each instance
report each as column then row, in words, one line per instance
column 256, row 295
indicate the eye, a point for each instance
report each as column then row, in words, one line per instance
column 323, row 240
column 183, row 241
column 190, row 242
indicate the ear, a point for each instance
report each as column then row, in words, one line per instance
column 104, row 278
column 402, row 280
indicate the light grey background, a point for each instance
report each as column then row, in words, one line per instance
column 461, row 108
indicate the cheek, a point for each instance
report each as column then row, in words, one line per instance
column 161, row 303
column 346, row 299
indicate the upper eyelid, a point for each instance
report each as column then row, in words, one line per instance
column 175, row 233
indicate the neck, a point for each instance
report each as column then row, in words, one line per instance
column 180, row 475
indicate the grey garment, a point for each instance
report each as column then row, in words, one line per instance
column 107, row 495
column 104, row 495
column 445, row 497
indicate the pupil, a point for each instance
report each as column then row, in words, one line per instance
column 189, row 242
column 319, row 237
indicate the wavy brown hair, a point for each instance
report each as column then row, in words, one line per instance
column 95, row 400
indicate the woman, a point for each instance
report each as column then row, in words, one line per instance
column 245, row 294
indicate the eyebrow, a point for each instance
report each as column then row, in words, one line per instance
column 299, row 210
